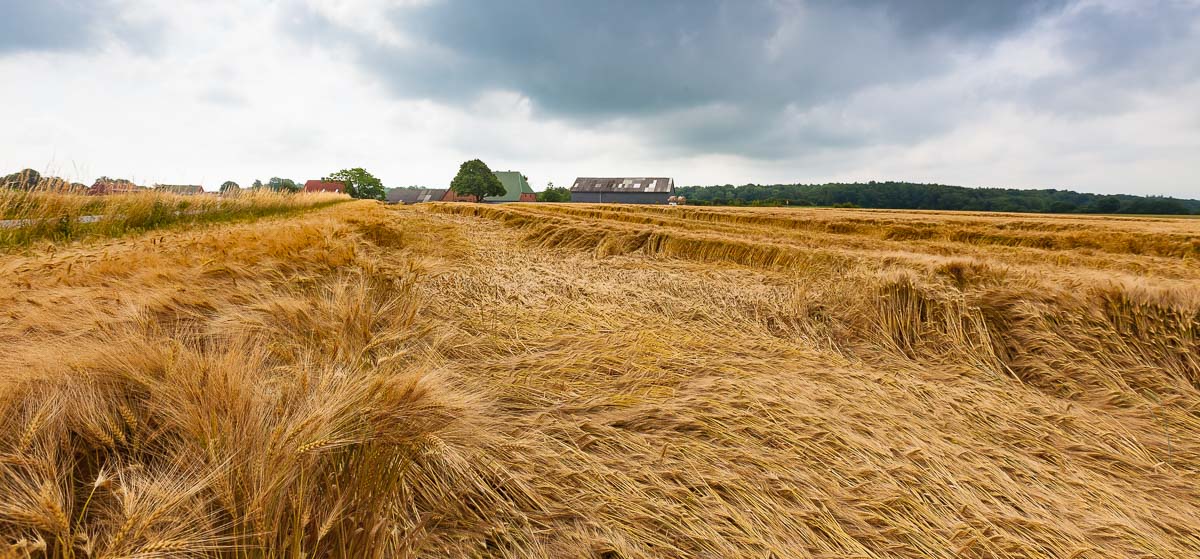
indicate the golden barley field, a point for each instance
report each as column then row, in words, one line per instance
column 541, row 380
column 28, row 217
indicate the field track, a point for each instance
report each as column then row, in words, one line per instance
column 609, row 381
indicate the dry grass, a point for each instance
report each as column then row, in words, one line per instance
column 588, row 381
column 41, row 215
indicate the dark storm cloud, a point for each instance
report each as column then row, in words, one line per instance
column 630, row 57
column 66, row 25
column 758, row 78
column 961, row 18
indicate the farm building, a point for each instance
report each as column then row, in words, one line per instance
column 184, row 189
column 419, row 195
column 452, row 196
column 415, row 195
column 105, row 186
column 623, row 190
column 324, row 186
column 516, row 187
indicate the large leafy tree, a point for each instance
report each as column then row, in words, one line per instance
column 359, row 183
column 228, row 186
column 475, row 178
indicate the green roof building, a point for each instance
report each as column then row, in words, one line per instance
column 516, row 187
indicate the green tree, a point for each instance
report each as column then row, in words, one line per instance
column 283, row 185
column 228, row 186
column 359, row 183
column 475, row 178
column 258, row 185
column 554, row 194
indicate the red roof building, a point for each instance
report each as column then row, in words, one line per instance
column 452, row 196
column 181, row 189
column 105, row 186
column 325, row 186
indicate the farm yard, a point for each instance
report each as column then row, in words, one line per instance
column 551, row 380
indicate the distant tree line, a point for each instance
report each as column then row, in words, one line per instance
column 28, row 179
column 915, row 196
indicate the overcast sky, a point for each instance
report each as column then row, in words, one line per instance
column 1090, row 95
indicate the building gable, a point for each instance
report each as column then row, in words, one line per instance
column 516, row 188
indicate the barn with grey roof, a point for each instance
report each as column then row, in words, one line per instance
column 623, row 190
column 415, row 195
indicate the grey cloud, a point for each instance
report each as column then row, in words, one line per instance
column 1116, row 55
column 628, row 57
column 46, row 25
column 757, row 78
column 67, row 25
column 962, row 19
